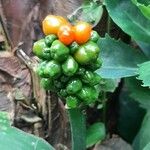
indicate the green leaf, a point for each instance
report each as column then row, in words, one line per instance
column 143, row 8
column 109, row 85
column 78, row 129
column 137, row 92
column 86, row 11
column 12, row 138
column 144, row 73
column 129, row 18
column 143, row 137
column 145, row 47
column 147, row 147
column 119, row 59
column 130, row 116
column 90, row 8
column 95, row 133
column 145, row 2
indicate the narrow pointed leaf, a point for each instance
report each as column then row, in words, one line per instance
column 78, row 129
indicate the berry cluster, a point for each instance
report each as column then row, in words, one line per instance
column 68, row 60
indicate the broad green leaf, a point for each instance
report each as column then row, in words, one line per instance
column 143, row 137
column 90, row 8
column 144, row 73
column 12, row 138
column 95, row 133
column 78, row 129
column 145, row 47
column 109, row 85
column 137, row 92
column 130, row 116
column 143, row 8
column 119, row 59
column 129, row 18
column 86, row 11
column 147, row 147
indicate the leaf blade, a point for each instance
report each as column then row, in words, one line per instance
column 147, row 147
column 143, row 137
column 12, row 138
column 144, row 73
column 143, row 8
column 129, row 18
column 137, row 92
column 116, row 57
column 78, row 129
column 95, row 133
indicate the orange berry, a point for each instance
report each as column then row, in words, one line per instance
column 52, row 23
column 82, row 32
column 66, row 34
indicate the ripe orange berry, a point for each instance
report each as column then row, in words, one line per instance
column 66, row 34
column 82, row 32
column 52, row 23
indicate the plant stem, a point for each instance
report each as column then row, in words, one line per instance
column 104, row 106
column 108, row 25
column 78, row 129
